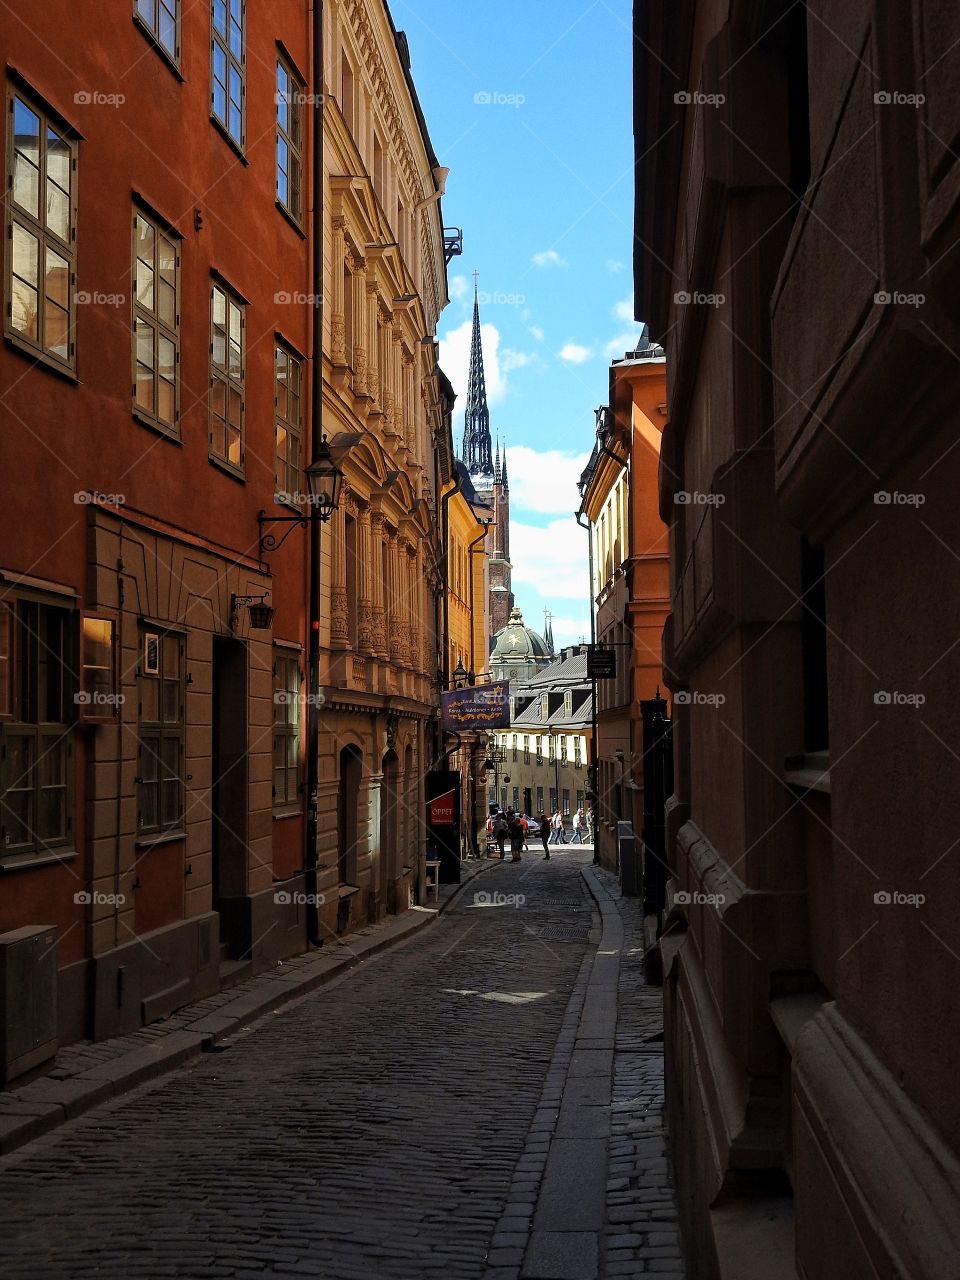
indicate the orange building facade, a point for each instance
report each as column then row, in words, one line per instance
column 630, row 588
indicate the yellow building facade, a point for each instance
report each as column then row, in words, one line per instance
column 385, row 415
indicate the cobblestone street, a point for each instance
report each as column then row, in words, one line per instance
column 386, row 1126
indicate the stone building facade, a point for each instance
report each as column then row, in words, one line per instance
column 387, row 418
column 798, row 208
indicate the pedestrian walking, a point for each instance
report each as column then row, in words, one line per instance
column 545, row 834
column 577, row 837
column 516, row 838
column 556, row 822
column 501, row 829
column 526, row 830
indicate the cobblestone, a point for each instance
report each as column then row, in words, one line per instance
column 411, row 1120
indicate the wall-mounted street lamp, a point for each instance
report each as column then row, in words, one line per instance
column 460, row 676
column 261, row 613
column 324, row 483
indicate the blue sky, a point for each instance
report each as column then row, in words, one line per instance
column 529, row 105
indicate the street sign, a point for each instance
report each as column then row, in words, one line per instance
column 601, row 662
column 483, row 706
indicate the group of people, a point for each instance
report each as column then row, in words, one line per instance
column 515, row 827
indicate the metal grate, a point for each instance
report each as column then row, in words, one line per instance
column 565, row 933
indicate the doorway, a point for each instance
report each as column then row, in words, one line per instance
column 228, row 797
column 389, row 831
column 348, row 827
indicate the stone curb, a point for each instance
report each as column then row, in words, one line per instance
column 45, row 1103
column 543, row 1195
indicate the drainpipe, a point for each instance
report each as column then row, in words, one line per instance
column 316, row 406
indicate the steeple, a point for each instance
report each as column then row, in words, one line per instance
column 476, row 420
column 496, row 464
column 503, row 469
column 548, row 629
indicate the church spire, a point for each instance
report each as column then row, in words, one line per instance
column 476, row 420
column 548, row 629
column 503, row 468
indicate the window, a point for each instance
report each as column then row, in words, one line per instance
column 98, row 698
column 580, row 799
column 229, row 66
column 553, row 800
column 578, row 751
column 156, row 312
column 161, row 690
column 289, row 141
column 286, row 729
column 550, row 747
column 288, row 411
column 566, row 800
column 39, row 694
column 563, row 750
column 516, row 798
column 514, row 748
column 226, row 379
column 526, row 748
column 503, row 797
column 539, row 800
column 539, row 747
column 41, row 271
column 161, row 18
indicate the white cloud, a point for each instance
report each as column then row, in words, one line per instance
column 548, row 258
column 551, row 560
column 458, row 288
column 537, row 332
column 623, row 342
column 544, row 481
column 624, row 310
column 573, row 353
column 515, row 359
column 614, row 266
column 455, row 362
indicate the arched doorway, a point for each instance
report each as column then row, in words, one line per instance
column 348, row 802
column 390, row 817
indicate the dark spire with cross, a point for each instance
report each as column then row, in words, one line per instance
column 476, row 420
